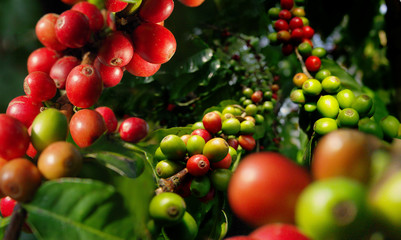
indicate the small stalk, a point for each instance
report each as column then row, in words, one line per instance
column 170, row 184
column 17, row 220
column 301, row 60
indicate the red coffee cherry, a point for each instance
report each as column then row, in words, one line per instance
column 287, row 4
column 84, row 86
column 61, row 68
column 42, row 59
column 247, row 142
column 203, row 133
column 14, row 138
column 285, row 14
column 154, row 43
column 24, row 109
column 233, row 142
column 212, row 122
column 313, row 63
column 39, row 86
column 281, row 25
column 192, row 3
column 116, row 50
column 141, row 68
column 297, row 35
column 296, row 22
column 19, row 179
column 109, row 118
column 86, row 126
column 115, row 5
column 96, row 20
column 308, row 32
column 198, row 165
column 7, row 205
column 257, row 96
column 283, row 36
column 156, row 10
column 133, row 129
column 72, row 29
column 111, row 76
column 71, row 2
column 287, row 49
column 225, row 163
column 46, row 33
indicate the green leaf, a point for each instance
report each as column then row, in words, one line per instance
column 157, row 135
column 346, row 79
column 194, row 62
column 112, row 154
column 73, row 208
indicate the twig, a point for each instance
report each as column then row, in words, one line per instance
column 171, row 183
column 17, row 220
column 301, row 60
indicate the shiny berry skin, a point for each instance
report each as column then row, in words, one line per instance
column 60, row 159
column 278, row 231
column 71, row 2
column 287, row 4
column 173, row 147
column 20, row 179
column 313, row 63
column 233, row 142
column 109, row 118
column 192, row 3
column 225, row 163
column 24, row 109
column 283, row 36
column 216, row 149
column 285, row 14
column 45, row 32
column 86, row 126
column 115, row 5
column 247, row 142
column 42, row 59
column 156, row 11
column 296, row 22
column 297, row 35
column 257, row 96
column 61, row 68
column 195, row 144
column 39, row 86
column 328, row 106
column 72, row 29
column 7, row 205
column 281, row 25
column 212, row 122
column 84, row 86
column 96, row 20
column 14, row 138
column 198, row 165
column 133, row 129
column 116, row 50
column 111, row 76
column 167, row 208
column 154, row 43
column 141, row 68
column 203, row 133
column 308, row 32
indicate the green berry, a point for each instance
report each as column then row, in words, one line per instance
column 197, row 125
column 167, row 168
column 231, row 126
column 331, row 84
column 370, row 126
column 220, row 178
column 268, row 106
column 390, row 125
column 348, row 117
column 322, row 74
column 247, row 128
column 159, row 155
column 310, row 107
column 345, row 98
column 200, row 186
column 297, row 96
column 246, row 102
column 173, row 147
column 305, row 48
column 247, row 92
column 195, row 145
column 312, row 87
column 185, row 229
column 259, row 119
column 251, row 109
column 327, row 106
column 325, row 125
column 273, row 13
column 319, row 52
column 363, row 104
column 215, row 149
column 167, row 208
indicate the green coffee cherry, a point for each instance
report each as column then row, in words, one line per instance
column 325, row 125
column 195, row 145
column 159, row 155
column 370, row 126
column 319, row 52
column 247, row 127
column 247, row 92
column 348, row 117
column 345, row 98
column 173, row 147
column 185, row 229
column 305, row 21
column 228, row 109
column 197, row 125
column 310, row 107
column 331, row 84
column 297, row 96
column 167, row 168
column 327, row 106
column 268, row 95
column 216, row 149
column 312, row 87
column 272, row 38
column 390, row 125
column 167, row 208
column 231, row 126
column 251, row 109
column 200, row 186
column 273, row 13
column 233, row 153
column 220, row 178
column 259, row 119
column 322, row 74
column 363, row 104
column 305, row 48
column 247, row 102
column 268, row 106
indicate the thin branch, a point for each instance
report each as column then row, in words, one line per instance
column 17, row 220
column 301, row 60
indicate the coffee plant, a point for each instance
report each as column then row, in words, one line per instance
column 194, row 119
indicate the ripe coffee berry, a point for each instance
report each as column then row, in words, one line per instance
column 154, row 43
column 313, row 63
column 247, row 142
column 116, row 50
column 24, row 109
column 198, row 165
column 115, row 5
column 203, row 133
column 297, row 35
column 61, row 68
column 84, row 86
column 281, row 25
column 283, row 36
column 72, row 29
column 133, row 129
column 285, row 14
column 39, row 86
column 156, row 11
column 111, row 76
column 42, row 59
column 296, row 22
column 141, row 68
column 45, row 31
column 14, row 138
column 96, row 20
column 109, row 118
column 308, row 32
column 287, row 4
column 7, row 205
column 212, row 122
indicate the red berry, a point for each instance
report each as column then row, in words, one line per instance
column 24, row 109
column 285, row 14
column 247, row 142
column 192, row 3
column 308, row 32
column 287, row 4
column 297, row 35
column 198, row 165
column 72, row 29
column 278, row 231
column 111, row 20
column 14, row 138
column 39, row 86
column 116, row 50
column 96, row 20
column 154, row 43
column 71, row 2
column 233, row 142
column 111, row 76
column 283, row 36
column 203, row 133
column 212, row 122
column 257, row 96
column 45, row 31
column 133, row 129
column 225, row 163
column 86, row 126
column 287, row 49
column 308, row 41
column 7, row 205
column 296, row 22
column 156, row 11
column 281, row 25
column 115, row 5
column 84, row 86
column 61, row 68
column 42, row 59
column 141, row 68
column 109, row 118
column 313, row 63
